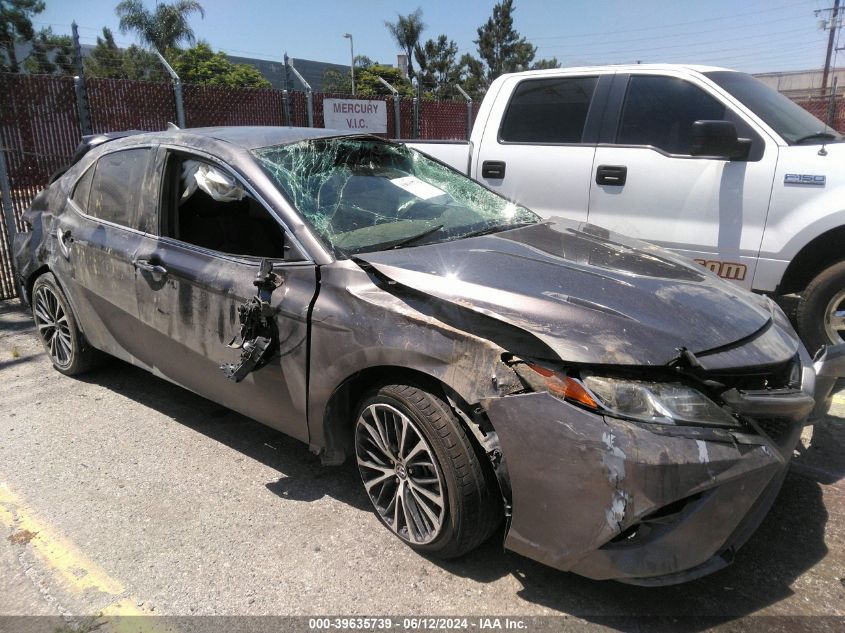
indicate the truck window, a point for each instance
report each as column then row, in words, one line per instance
column 548, row 110
column 660, row 111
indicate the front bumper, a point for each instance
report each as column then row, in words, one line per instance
column 646, row 504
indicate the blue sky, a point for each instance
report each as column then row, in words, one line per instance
column 754, row 36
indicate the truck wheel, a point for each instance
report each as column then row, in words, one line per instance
column 63, row 341
column 821, row 311
column 422, row 473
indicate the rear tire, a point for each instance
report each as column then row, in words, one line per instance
column 422, row 472
column 821, row 311
column 56, row 327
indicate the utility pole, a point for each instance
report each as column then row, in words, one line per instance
column 833, row 25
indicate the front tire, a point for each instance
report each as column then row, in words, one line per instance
column 422, row 472
column 821, row 311
column 57, row 329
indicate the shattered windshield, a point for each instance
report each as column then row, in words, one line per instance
column 363, row 194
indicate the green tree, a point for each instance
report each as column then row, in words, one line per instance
column 337, row 82
column 438, row 70
column 406, row 33
column 50, row 54
column 472, row 76
column 108, row 61
column 164, row 28
column 201, row 65
column 544, row 64
column 16, row 26
column 501, row 46
column 367, row 83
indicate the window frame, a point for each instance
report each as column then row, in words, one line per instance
column 616, row 107
column 151, row 147
column 592, row 122
column 161, row 163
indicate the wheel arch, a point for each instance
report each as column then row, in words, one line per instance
column 818, row 254
column 338, row 422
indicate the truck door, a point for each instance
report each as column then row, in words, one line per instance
column 541, row 154
column 646, row 184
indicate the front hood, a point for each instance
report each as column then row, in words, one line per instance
column 589, row 295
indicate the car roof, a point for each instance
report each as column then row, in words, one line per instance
column 246, row 137
column 632, row 68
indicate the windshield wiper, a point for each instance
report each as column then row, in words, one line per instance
column 413, row 238
column 819, row 134
column 487, row 230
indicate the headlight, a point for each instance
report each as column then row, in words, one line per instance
column 664, row 403
column 655, row 402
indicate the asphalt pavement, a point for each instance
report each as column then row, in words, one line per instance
column 123, row 494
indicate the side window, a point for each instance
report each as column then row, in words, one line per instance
column 548, row 110
column 117, row 186
column 83, row 189
column 204, row 205
column 660, row 111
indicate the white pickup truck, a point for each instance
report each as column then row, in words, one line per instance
column 708, row 162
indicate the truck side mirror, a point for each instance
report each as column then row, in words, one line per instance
column 718, row 139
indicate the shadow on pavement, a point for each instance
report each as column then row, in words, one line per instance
column 789, row 542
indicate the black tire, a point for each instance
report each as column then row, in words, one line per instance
column 814, row 306
column 472, row 508
column 64, row 343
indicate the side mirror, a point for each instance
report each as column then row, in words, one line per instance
column 718, row 139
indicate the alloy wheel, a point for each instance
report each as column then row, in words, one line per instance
column 834, row 318
column 400, row 473
column 53, row 327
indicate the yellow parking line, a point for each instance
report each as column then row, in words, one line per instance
column 78, row 572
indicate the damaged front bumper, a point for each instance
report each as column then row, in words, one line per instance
column 644, row 503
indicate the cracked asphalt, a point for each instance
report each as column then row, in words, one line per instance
column 187, row 508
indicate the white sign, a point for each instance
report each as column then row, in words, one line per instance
column 355, row 114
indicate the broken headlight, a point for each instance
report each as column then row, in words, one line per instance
column 658, row 402
column 645, row 401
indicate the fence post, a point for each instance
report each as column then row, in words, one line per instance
column 177, row 91
column 8, row 214
column 831, row 104
column 469, row 109
column 397, row 128
column 285, row 109
column 417, row 107
column 79, row 85
column 309, row 98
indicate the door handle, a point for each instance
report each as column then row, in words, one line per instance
column 65, row 238
column 613, row 175
column 493, row 169
column 150, row 267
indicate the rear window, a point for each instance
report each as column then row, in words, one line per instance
column 83, row 189
column 548, row 110
column 116, row 188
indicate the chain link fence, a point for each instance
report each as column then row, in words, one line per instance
column 40, row 126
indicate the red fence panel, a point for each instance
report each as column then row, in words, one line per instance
column 39, row 130
column 123, row 104
column 443, row 120
column 220, row 105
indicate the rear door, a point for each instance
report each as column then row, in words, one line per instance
column 710, row 210
column 97, row 239
column 197, row 273
column 541, row 155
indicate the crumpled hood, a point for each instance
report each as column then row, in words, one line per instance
column 589, row 295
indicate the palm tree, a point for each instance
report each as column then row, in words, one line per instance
column 406, row 33
column 164, row 28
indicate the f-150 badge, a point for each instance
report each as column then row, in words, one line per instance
column 804, row 179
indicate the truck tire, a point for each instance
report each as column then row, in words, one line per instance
column 821, row 310
column 422, row 473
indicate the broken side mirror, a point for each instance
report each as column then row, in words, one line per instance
column 718, row 139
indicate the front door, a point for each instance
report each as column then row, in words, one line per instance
column 543, row 152
column 193, row 278
column 712, row 211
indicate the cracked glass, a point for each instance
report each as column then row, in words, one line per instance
column 364, row 194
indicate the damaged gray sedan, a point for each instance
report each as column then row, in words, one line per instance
column 627, row 414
